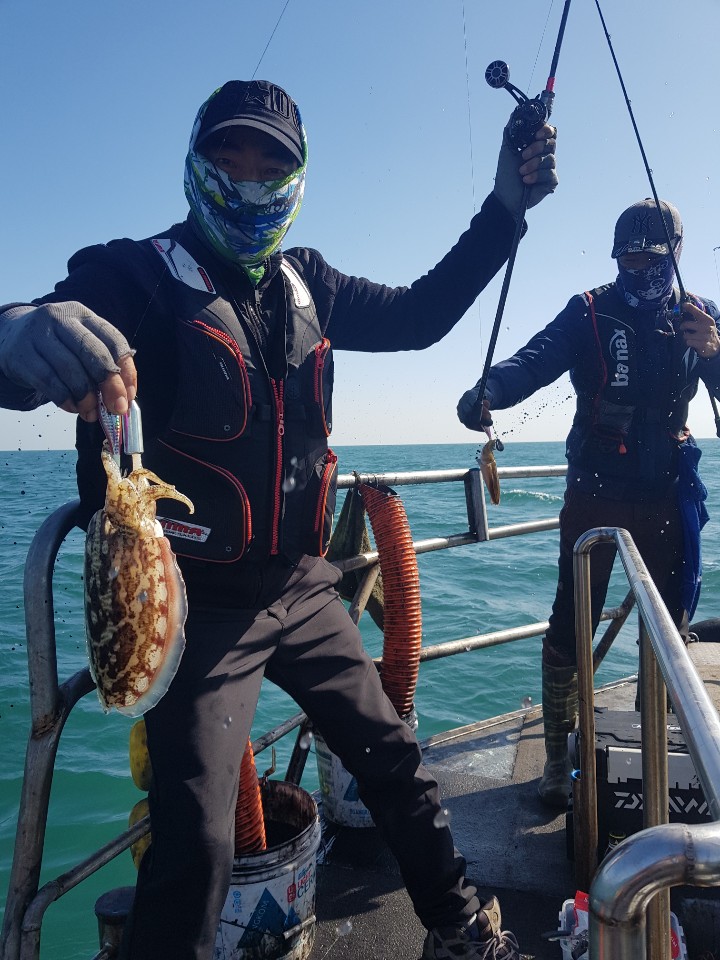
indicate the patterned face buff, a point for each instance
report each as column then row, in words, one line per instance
column 244, row 221
column 650, row 288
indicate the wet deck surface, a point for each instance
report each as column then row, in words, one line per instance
column 515, row 847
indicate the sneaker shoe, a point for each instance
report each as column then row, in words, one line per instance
column 465, row 943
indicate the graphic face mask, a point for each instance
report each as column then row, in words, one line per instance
column 649, row 288
column 244, row 221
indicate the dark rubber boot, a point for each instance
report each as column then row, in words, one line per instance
column 560, row 706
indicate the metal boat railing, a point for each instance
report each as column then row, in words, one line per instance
column 629, row 894
column 52, row 701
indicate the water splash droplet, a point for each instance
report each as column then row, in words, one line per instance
column 442, row 818
column 143, row 596
column 227, row 723
column 305, row 741
column 114, row 573
column 526, row 703
column 289, row 483
column 344, row 928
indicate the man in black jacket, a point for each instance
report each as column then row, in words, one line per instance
column 635, row 357
column 229, row 340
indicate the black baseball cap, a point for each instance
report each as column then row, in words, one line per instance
column 639, row 229
column 258, row 104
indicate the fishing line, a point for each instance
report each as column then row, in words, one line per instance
column 262, row 56
column 132, row 340
column 525, row 120
column 542, row 40
column 469, row 110
column 683, row 294
column 684, row 298
column 470, row 130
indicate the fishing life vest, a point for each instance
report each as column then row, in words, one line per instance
column 633, row 398
column 247, row 447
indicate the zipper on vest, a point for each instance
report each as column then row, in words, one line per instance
column 321, row 351
column 233, row 348
column 328, row 474
column 278, row 390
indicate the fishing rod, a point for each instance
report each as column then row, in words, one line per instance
column 684, row 296
column 525, row 121
column 712, row 398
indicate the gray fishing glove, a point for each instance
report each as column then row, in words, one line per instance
column 508, row 182
column 61, row 350
column 472, row 412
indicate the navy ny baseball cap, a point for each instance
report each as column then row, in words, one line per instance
column 639, row 229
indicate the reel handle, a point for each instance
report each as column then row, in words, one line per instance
column 529, row 115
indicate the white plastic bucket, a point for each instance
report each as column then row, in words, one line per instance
column 270, row 907
column 339, row 789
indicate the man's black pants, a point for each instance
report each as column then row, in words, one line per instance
column 299, row 635
column 657, row 532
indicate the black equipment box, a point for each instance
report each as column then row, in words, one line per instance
column 618, row 761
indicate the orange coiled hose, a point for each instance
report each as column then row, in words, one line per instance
column 249, row 819
column 401, row 584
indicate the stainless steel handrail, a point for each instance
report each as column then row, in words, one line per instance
column 50, row 705
column 663, row 855
column 346, row 480
column 51, row 701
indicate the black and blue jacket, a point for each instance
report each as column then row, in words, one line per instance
column 633, row 383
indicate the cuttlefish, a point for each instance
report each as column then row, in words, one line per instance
column 488, row 469
column 135, row 598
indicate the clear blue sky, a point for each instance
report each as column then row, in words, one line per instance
column 98, row 98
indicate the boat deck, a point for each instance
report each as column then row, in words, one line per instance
column 515, row 845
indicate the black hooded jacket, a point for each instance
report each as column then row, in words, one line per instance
column 135, row 287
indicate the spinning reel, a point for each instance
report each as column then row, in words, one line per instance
column 530, row 115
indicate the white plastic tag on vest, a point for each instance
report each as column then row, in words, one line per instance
column 182, row 266
column 301, row 294
column 184, row 530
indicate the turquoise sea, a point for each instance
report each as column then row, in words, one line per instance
column 468, row 591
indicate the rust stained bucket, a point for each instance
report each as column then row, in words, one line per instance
column 269, row 911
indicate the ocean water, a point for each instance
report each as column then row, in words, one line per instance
column 471, row 590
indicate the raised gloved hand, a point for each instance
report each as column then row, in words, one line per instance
column 65, row 352
column 471, row 412
column 538, row 171
column 699, row 330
